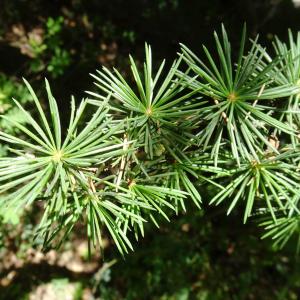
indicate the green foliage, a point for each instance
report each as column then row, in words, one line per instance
column 71, row 176
column 288, row 72
column 235, row 91
column 273, row 179
column 155, row 110
column 9, row 88
column 160, row 140
column 48, row 49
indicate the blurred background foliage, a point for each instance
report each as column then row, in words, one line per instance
column 204, row 256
